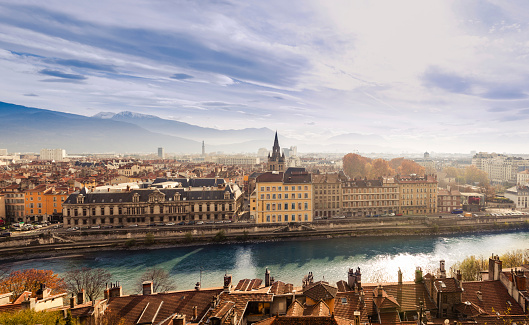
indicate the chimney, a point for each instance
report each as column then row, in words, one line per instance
column 195, row 313
column 41, row 292
column 81, row 297
column 479, row 294
column 459, row 276
column 106, row 292
column 72, row 301
column 379, row 290
column 115, row 290
column 400, row 276
column 197, row 286
column 351, row 279
column 147, row 288
column 356, row 317
column 418, row 275
column 442, row 270
column 521, row 283
column 227, row 282
column 267, row 278
column 358, row 277
column 29, row 303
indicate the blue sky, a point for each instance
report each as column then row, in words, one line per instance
column 446, row 76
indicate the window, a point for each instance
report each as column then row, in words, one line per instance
column 279, row 218
column 286, row 195
column 286, row 207
column 268, row 207
column 273, row 196
column 268, row 188
column 279, row 188
column 299, row 188
column 306, row 195
column 268, row 218
column 279, row 196
column 293, row 206
column 262, row 196
column 306, row 206
column 262, row 188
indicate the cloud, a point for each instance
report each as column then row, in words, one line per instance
column 31, row 95
column 451, row 82
column 59, row 74
column 181, row 76
column 83, row 64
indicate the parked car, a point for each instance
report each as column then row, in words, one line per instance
column 200, row 222
column 134, row 225
column 170, row 224
column 96, row 227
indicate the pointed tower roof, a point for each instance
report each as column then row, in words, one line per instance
column 276, row 142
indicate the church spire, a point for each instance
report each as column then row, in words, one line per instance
column 276, row 144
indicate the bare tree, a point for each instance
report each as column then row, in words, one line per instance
column 93, row 281
column 160, row 278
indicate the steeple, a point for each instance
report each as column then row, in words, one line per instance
column 276, row 143
column 276, row 161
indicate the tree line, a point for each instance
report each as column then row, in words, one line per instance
column 357, row 166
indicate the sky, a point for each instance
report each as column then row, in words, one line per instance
column 442, row 76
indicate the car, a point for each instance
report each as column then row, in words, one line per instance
column 134, row 225
column 392, row 214
column 160, row 224
column 181, row 223
column 440, row 217
column 368, row 216
column 107, row 227
column 376, row 215
column 399, row 214
column 338, row 217
column 119, row 226
column 170, row 224
column 151, row 224
column 317, row 218
column 460, row 216
column 200, row 222
column 96, row 227
column 73, row 228
column 5, row 234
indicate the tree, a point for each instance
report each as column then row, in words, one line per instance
column 470, row 268
column 160, row 278
column 474, row 175
column 30, row 280
column 408, row 167
column 93, row 281
column 30, row 316
column 354, row 165
column 380, row 167
column 396, row 162
column 111, row 318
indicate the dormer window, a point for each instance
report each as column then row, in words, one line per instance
column 80, row 198
column 136, row 198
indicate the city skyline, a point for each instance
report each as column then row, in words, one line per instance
column 442, row 76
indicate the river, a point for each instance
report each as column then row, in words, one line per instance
column 378, row 257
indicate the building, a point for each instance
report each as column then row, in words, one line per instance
column 500, row 168
column 14, row 203
column 522, row 178
column 327, row 194
column 2, row 207
column 362, row 197
column 44, row 203
column 276, row 161
column 237, row 161
column 281, row 197
column 472, row 201
column 519, row 195
column 189, row 200
column 417, row 194
column 52, row 154
column 448, row 200
column 161, row 153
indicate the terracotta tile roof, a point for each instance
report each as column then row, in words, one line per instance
column 447, row 285
column 295, row 309
column 346, row 303
column 319, row 309
column 495, row 297
column 9, row 308
column 390, row 318
column 157, row 307
column 501, row 320
column 469, row 309
column 223, row 309
column 241, row 299
column 343, row 286
column 280, row 288
column 320, row 291
column 305, row 320
column 382, row 300
column 248, row 285
column 410, row 295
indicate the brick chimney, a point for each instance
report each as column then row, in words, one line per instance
column 442, row 270
column 267, row 278
column 81, row 297
column 115, row 290
column 195, row 313
column 459, row 276
column 147, row 288
column 42, row 293
column 400, row 276
column 197, row 286
column 495, row 267
column 418, row 275
column 520, row 280
column 351, row 278
column 72, row 301
column 29, row 303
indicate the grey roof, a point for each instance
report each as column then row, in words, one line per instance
column 193, row 182
column 117, row 197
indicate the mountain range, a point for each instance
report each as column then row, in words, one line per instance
column 29, row 129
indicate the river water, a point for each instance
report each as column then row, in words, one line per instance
column 378, row 257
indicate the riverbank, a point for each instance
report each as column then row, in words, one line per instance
column 66, row 243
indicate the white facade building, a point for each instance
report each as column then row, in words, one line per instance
column 52, row 154
column 500, row 168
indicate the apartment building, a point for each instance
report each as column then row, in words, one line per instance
column 448, row 200
column 500, row 168
column 417, row 194
column 327, row 194
column 44, row 202
column 362, row 197
column 282, row 197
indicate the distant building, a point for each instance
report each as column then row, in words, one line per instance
column 522, row 178
column 3, row 152
column 327, row 194
column 448, row 200
column 262, row 152
column 52, row 154
column 500, row 168
column 282, row 197
column 161, row 153
column 203, row 149
column 519, row 195
column 237, row 161
column 276, row 161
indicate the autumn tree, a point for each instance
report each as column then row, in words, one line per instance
column 380, row 168
column 354, row 165
column 396, row 162
column 473, row 175
column 470, row 268
column 93, row 281
column 30, row 280
column 160, row 278
column 408, row 167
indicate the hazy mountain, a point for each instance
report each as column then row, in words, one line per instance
column 25, row 129
column 180, row 129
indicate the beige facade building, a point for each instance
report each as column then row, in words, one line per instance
column 327, row 194
column 417, row 194
column 448, row 200
column 361, row 198
column 500, row 168
column 522, row 178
